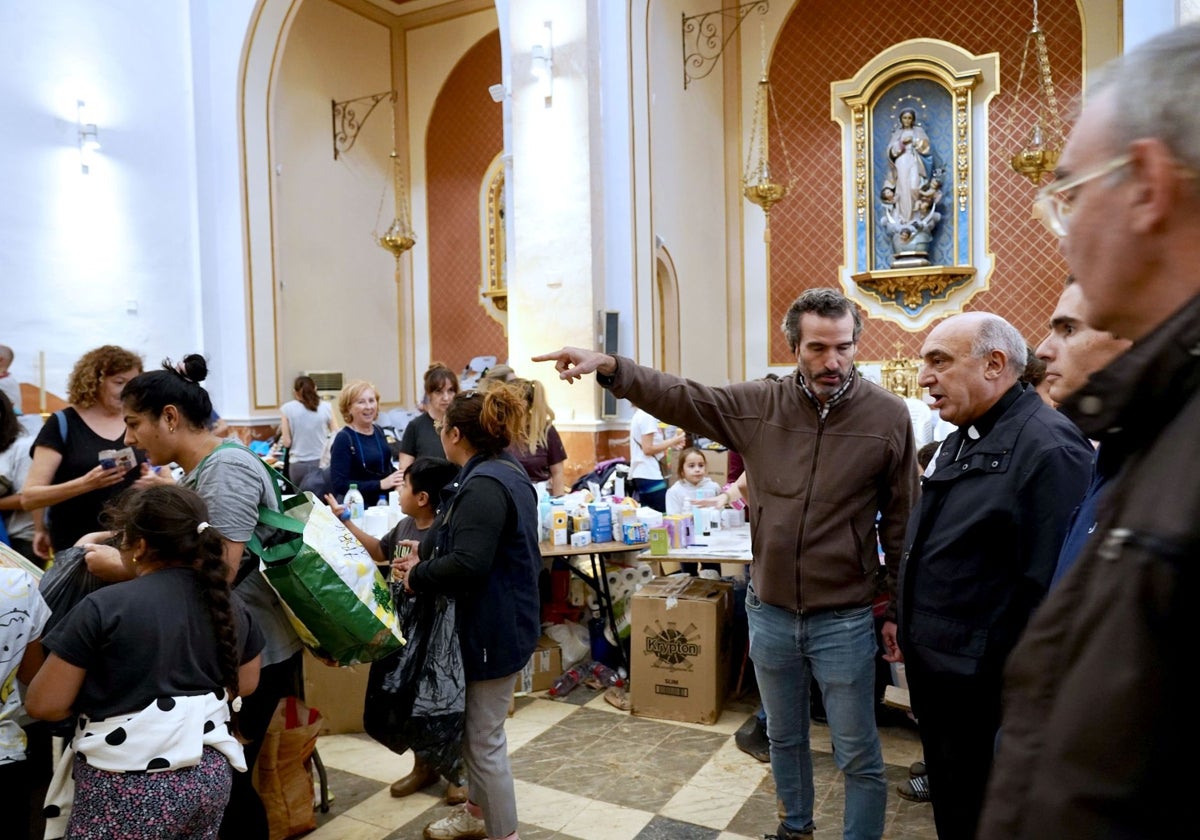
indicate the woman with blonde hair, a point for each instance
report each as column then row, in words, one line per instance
column 360, row 454
column 67, row 475
column 420, row 435
column 540, row 450
column 483, row 551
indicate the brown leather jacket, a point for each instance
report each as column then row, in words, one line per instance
column 1099, row 712
column 815, row 486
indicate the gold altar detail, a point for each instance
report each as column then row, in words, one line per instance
column 910, row 286
column 496, row 261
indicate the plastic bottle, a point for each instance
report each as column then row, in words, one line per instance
column 572, row 677
column 607, row 676
column 354, row 503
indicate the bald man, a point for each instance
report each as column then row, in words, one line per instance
column 980, row 550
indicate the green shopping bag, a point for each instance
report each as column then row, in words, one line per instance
column 336, row 599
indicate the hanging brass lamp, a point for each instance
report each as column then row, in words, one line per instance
column 1038, row 157
column 399, row 236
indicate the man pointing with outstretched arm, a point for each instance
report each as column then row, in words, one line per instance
column 826, row 453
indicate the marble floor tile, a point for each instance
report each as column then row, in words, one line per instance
column 664, row 828
column 585, row 770
column 601, row 821
column 703, row 806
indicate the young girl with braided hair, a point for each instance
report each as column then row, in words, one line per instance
column 152, row 668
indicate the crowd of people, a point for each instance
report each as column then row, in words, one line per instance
column 1036, row 570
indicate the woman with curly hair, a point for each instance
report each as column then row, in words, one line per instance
column 151, row 667
column 66, row 475
column 482, row 550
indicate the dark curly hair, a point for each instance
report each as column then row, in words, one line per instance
column 83, row 385
column 168, row 517
column 174, row 384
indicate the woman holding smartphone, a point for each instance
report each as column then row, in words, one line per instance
column 68, row 475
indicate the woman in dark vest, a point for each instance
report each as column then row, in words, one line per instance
column 483, row 551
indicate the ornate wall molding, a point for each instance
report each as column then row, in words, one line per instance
column 922, row 103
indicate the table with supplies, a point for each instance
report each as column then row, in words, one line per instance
column 722, row 545
column 597, row 581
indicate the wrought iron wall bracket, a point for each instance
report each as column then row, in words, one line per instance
column 347, row 123
column 704, row 37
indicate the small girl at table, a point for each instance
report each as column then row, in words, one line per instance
column 692, row 481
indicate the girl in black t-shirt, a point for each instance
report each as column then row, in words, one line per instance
column 149, row 666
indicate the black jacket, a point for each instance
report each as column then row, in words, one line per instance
column 1100, row 709
column 983, row 541
column 483, row 551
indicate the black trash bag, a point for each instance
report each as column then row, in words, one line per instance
column 416, row 697
column 66, row 583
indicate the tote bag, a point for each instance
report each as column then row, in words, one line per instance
column 282, row 773
column 337, row 601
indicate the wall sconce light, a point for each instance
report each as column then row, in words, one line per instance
column 89, row 137
column 542, row 66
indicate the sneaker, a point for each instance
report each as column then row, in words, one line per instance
column 785, row 833
column 460, row 825
column 915, row 789
column 752, row 739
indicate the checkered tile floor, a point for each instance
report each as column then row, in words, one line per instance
column 586, row 770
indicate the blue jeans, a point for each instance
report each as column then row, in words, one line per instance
column 838, row 648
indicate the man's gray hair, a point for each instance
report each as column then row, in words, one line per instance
column 1157, row 90
column 827, row 303
column 995, row 333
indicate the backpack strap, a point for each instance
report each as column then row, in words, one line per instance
column 61, row 417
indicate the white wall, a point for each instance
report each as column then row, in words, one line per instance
column 335, row 288
column 112, row 256
column 687, row 183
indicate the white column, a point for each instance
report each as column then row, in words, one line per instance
column 555, row 258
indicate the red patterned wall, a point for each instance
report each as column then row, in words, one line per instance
column 807, row 245
column 466, row 132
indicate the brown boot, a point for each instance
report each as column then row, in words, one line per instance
column 422, row 776
column 455, row 794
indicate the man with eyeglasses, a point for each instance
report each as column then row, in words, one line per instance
column 1098, row 704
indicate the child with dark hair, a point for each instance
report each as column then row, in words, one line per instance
column 420, row 490
column 925, row 453
column 152, row 668
column 691, row 480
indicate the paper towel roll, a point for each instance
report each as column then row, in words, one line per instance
column 375, row 521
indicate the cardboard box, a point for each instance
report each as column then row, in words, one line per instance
column 542, row 669
column 680, row 649
column 338, row 693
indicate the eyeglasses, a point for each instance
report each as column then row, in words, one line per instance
column 1054, row 206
